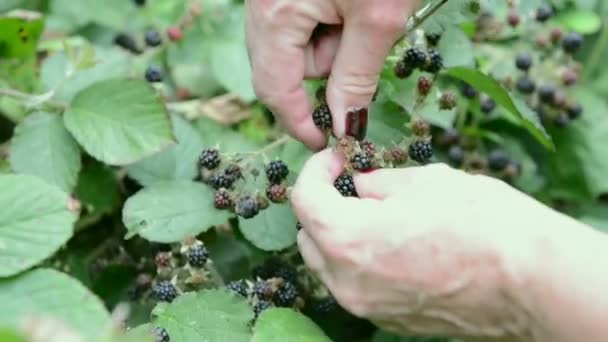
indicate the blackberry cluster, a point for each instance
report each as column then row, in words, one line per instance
column 260, row 306
column 161, row 335
column 285, row 295
column 222, row 199
column 414, row 58
column 276, row 193
column 198, row 256
column 164, row 291
column 276, row 171
column 321, row 116
column 239, row 287
column 247, row 207
column 263, row 290
column 209, row 158
column 362, row 162
column 346, row 186
column 420, row 151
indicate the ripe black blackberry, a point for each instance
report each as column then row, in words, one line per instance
column 488, row 105
column 260, row 306
column 127, row 42
column 234, row 171
column 546, row 93
column 434, row 63
column 221, row 180
column 562, row 120
column 325, row 305
column 433, row 38
column 198, row 256
column 164, row 291
column 209, row 158
column 263, row 290
column 448, row 101
column 574, row 111
column 161, row 335
column 276, row 171
column 346, row 186
column 544, row 12
column 424, row 85
column 523, row 61
column 456, row 155
column 468, row 90
column 498, row 160
column 414, row 58
column 153, row 38
column 247, row 207
column 285, row 296
column 276, row 193
column 154, row 74
column 321, row 116
column 222, row 199
column 572, row 42
column 362, row 162
column 525, row 85
column 421, row 151
column 238, row 286
column 402, row 70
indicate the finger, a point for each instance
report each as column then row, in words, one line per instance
column 321, row 51
column 366, row 41
column 310, row 253
column 382, row 183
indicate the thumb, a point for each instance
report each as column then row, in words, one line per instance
column 366, row 41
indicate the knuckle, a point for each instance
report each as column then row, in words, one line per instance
column 359, row 84
column 384, row 21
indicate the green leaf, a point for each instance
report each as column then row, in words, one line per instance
column 517, row 107
column 176, row 162
column 452, row 12
column 280, row 324
column 172, row 211
column 34, row 222
column 49, row 293
column 212, row 316
column 19, row 33
column 230, row 66
column 272, row 229
column 9, row 335
column 227, row 139
column 43, row 147
column 98, row 189
column 456, row 48
column 584, row 22
column 119, row 121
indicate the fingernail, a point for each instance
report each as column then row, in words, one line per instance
column 356, row 123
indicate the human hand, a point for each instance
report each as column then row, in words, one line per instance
column 285, row 47
column 424, row 250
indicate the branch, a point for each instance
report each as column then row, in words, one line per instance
column 31, row 98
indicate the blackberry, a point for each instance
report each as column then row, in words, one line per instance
column 433, row 38
column 424, row 86
column 238, row 286
column 544, row 12
column 513, row 19
column 285, row 296
column 421, row 128
column 247, row 207
column 262, row 201
column 221, row 181
column 572, row 42
column 162, row 259
column 498, row 160
column 562, row 120
column 127, row 42
column 276, row 193
column 222, row 199
column 161, row 335
column 198, row 256
column 152, row 38
column 260, row 306
column 435, row 62
column 164, row 291
column 523, row 61
column 321, row 116
column 525, row 85
column 287, row 273
column 362, row 162
column 448, row 101
column 468, row 91
column 456, row 155
column 276, row 171
column 560, row 101
column 414, row 58
column 546, row 93
column 574, row 111
column 209, row 158
column 488, row 105
column 421, row 151
column 346, row 186
column 154, row 74
column 326, row 305
column 402, row 70
column 262, row 290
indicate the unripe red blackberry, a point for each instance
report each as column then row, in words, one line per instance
column 424, row 85
column 209, row 158
column 276, row 171
column 163, row 259
column 247, row 207
column 420, row 151
column 448, row 101
column 569, row 77
column 175, row 33
column 285, row 295
column 346, row 186
column 557, row 34
column 322, row 118
column 222, row 199
column 513, row 19
column 277, row 193
column 402, row 70
column 362, row 162
column 164, row 291
column 421, row 128
column 197, row 256
column 434, row 63
column 560, row 101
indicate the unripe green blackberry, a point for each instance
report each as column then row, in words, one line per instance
column 402, row 70
column 346, row 185
column 222, row 199
column 276, row 171
column 277, row 193
column 238, row 286
column 362, row 162
column 420, row 151
column 285, row 295
column 448, row 101
column 321, row 116
column 209, row 158
column 161, row 335
column 247, row 207
column 434, row 63
column 197, row 256
column 414, row 58
column 164, row 291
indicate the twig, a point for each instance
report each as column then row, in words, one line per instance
column 419, row 20
column 29, row 97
